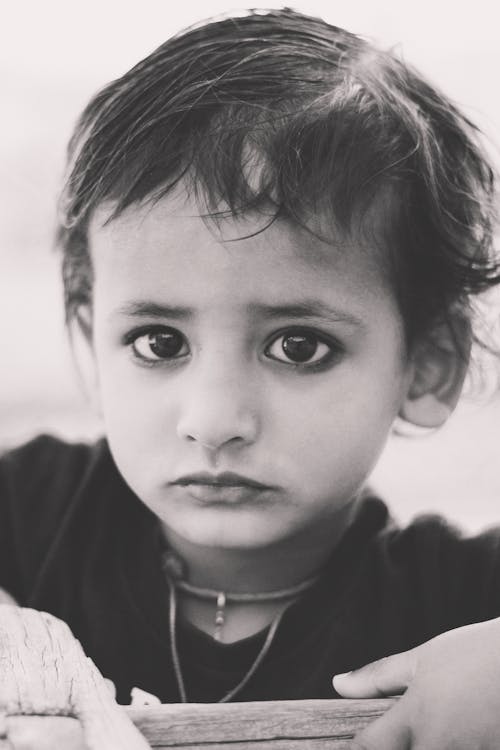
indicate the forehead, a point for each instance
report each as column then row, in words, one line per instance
column 170, row 248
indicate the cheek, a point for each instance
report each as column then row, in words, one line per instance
column 339, row 428
column 134, row 415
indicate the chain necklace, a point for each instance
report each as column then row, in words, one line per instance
column 220, row 599
column 181, row 685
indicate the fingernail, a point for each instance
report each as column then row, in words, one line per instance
column 342, row 674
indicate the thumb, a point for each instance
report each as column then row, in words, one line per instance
column 388, row 676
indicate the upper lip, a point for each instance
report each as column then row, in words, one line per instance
column 226, row 479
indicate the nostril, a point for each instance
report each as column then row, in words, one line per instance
column 211, row 427
column 208, row 446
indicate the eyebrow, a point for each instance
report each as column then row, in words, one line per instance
column 305, row 309
column 154, row 310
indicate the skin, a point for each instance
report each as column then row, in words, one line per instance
column 451, row 699
column 232, row 400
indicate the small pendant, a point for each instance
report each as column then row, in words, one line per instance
column 220, row 615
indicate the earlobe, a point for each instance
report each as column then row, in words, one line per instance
column 425, row 411
column 439, row 367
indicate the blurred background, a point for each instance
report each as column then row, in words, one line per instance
column 53, row 57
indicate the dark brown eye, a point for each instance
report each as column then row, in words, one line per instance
column 158, row 345
column 300, row 347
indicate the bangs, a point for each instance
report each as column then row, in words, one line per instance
column 286, row 115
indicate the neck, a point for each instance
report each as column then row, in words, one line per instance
column 257, row 570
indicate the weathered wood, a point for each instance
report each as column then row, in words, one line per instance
column 273, row 724
column 44, row 671
column 298, row 744
column 44, row 733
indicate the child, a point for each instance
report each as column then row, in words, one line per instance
column 272, row 236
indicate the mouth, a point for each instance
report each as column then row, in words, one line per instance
column 226, row 488
column 227, row 479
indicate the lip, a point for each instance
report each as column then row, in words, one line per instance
column 226, row 488
column 226, row 479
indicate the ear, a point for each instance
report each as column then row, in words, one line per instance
column 439, row 365
column 82, row 345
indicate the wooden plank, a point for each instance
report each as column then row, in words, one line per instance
column 298, row 744
column 273, row 725
column 44, row 733
column 318, row 722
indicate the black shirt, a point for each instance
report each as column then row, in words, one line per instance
column 75, row 541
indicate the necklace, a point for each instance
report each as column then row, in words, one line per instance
column 175, row 572
column 181, row 685
column 221, row 598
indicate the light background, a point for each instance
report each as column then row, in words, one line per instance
column 53, row 56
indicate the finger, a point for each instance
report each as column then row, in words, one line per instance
column 388, row 676
column 390, row 732
column 111, row 687
column 6, row 598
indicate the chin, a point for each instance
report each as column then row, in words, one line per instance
column 229, row 533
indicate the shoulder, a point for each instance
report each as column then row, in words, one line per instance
column 431, row 536
column 48, row 488
column 451, row 570
column 43, row 481
column 48, row 448
column 47, row 468
column 425, row 534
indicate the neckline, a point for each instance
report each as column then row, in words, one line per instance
column 141, row 556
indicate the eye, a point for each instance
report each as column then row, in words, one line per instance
column 301, row 347
column 161, row 344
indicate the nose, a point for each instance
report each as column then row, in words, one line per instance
column 219, row 411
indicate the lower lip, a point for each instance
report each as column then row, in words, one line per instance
column 240, row 494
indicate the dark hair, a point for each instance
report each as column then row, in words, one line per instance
column 285, row 114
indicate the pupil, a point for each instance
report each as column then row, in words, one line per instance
column 300, row 348
column 165, row 344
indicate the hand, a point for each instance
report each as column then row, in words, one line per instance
column 452, row 698
column 6, row 598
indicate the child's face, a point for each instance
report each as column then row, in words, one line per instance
column 276, row 357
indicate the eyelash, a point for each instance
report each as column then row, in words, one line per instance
column 333, row 354
column 132, row 337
